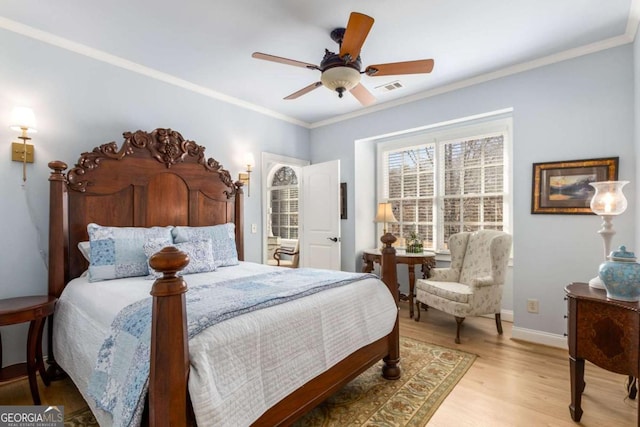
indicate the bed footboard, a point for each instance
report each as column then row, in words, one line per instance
column 168, row 401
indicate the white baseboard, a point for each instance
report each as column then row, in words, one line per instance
column 539, row 337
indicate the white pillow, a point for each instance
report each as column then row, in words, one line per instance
column 223, row 240
column 200, row 254
column 118, row 252
column 85, row 250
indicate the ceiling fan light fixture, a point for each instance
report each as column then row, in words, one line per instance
column 340, row 79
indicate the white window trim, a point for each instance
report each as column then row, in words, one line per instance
column 475, row 127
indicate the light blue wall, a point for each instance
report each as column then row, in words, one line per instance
column 636, row 117
column 577, row 109
column 81, row 103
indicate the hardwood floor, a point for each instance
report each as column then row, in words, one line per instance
column 515, row 383
column 511, row 383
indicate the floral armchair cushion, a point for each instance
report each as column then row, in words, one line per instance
column 486, row 258
column 457, row 247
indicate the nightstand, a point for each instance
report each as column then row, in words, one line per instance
column 34, row 309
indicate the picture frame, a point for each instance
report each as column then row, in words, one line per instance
column 343, row 200
column 562, row 187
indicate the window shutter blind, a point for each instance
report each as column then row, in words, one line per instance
column 460, row 191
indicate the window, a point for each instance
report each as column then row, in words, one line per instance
column 283, row 198
column 441, row 183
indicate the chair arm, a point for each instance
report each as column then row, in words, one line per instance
column 444, row 275
column 483, row 281
column 284, row 251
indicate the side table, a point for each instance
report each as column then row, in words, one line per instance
column 603, row 331
column 33, row 309
column 426, row 259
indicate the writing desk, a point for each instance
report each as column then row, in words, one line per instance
column 426, row 259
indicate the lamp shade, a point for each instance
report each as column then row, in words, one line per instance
column 23, row 118
column 340, row 77
column 385, row 213
column 608, row 199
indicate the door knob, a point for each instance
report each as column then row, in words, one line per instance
column 333, row 239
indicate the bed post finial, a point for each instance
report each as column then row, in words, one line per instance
column 390, row 369
column 169, row 341
column 58, row 167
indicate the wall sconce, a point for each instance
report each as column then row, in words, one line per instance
column 23, row 119
column 245, row 177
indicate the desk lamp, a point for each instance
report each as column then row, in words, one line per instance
column 385, row 215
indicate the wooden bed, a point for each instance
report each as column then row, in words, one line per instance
column 156, row 179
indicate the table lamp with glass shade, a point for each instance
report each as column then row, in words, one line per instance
column 385, row 215
column 607, row 202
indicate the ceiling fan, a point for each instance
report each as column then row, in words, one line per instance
column 341, row 71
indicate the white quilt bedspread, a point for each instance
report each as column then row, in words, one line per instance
column 242, row 366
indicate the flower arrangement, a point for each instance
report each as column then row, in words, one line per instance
column 414, row 243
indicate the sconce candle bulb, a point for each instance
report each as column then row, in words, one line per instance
column 245, row 177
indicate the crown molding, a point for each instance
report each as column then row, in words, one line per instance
column 634, row 19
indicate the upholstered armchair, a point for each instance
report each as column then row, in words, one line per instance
column 472, row 285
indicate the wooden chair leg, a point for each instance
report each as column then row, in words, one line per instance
column 459, row 321
column 499, row 323
column 417, row 318
column 632, row 390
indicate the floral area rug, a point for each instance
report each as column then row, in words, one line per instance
column 80, row 418
column 429, row 373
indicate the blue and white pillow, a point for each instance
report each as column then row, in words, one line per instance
column 118, row 252
column 223, row 240
column 200, row 254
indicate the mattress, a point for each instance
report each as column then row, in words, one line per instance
column 242, row 366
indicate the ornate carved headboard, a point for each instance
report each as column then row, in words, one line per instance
column 154, row 178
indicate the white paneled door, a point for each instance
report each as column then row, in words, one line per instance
column 321, row 216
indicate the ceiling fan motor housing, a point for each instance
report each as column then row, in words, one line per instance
column 338, row 74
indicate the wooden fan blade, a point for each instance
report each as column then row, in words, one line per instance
column 363, row 95
column 408, row 67
column 304, row 90
column 267, row 57
column 355, row 34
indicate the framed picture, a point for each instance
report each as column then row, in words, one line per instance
column 563, row 187
column 343, row 200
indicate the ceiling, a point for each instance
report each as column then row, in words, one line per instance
column 207, row 45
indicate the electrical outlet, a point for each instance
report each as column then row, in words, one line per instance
column 532, row 306
column 254, row 228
